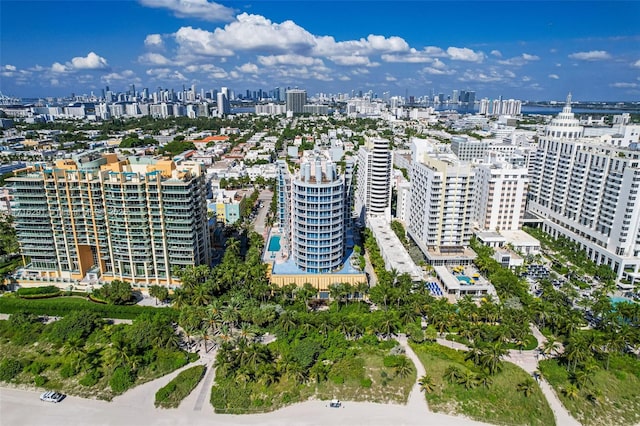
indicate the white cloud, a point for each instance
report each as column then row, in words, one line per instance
column 289, row 59
column 351, row 60
column 390, row 78
column 373, row 44
column 154, row 41
column 496, row 53
column 199, row 42
column 10, row 67
column 636, row 64
column 128, row 75
column 248, row 68
column 201, row 9
column 153, row 59
column 165, row 74
column 485, row 77
column 344, row 78
column 415, row 56
column 554, row 76
column 519, row 60
column 57, row 67
column 593, row 55
column 465, row 54
column 625, row 85
column 437, row 71
column 89, row 62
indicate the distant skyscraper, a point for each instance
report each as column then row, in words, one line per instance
column 224, row 107
column 296, row 99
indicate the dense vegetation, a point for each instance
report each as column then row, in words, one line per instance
column 61, row 306
column 171, row 395
column 455, row 383
column 82, row 354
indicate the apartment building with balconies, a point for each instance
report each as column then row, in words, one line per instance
column 101, row 216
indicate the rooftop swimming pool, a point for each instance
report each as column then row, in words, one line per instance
column 464, row 278
column 274, row 243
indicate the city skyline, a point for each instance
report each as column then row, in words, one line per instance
column 528, row 50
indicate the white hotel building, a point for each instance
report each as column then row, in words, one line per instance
column 441, row 208
column 373, row 193
column 587, row 191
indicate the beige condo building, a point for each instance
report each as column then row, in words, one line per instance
column 98, row 217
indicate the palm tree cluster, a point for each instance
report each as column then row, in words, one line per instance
column 85, row 345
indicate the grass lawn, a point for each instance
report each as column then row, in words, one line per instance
column 612, row 399
column 499, row 403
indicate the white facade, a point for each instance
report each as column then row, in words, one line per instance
column 587, row 192
column 441, row 206
column 314, row 209
column 500, row 191
column 373, row 194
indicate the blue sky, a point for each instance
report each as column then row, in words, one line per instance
column 523, row 49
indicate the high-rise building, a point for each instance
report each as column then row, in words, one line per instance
column 314, row 205
column 373, row 187
column 586, row 190
column 224, row 106
column 97, row 215
column 500, row 195
column 441, row 208
column 296, row 100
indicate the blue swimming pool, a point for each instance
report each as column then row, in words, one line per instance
column 464, row 278
column 274, row 243
column 617, row 299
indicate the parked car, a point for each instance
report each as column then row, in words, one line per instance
column 335, row 403
column 52, row 396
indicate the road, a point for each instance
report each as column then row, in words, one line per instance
column 260, row 222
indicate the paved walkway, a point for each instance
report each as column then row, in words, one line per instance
column 528, row 361
column 416, row 399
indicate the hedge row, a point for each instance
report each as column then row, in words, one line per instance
column 38, row 291
column 171, row 395
column 60, row 306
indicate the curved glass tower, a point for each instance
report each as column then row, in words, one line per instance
column 313, row 206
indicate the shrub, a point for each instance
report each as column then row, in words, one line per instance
column 62, row 306
column 68, row 370
column 10, row 368
column 121, row 380
column 38, row 291
column 177, row 389
column 39, row 380
column 366, row 383
column 36, row 367
column 90, row 379
column 391, row 361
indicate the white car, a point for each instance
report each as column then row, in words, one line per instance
column 52, row 396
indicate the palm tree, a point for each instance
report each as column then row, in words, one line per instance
column 526, row 387
column 485, row 379
column 452, row 373
column 404, row 367
column 427, row 384
column 571, row 391
column 468, row 379
column 550, row 347
column 200, row 296
column 491, row 359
